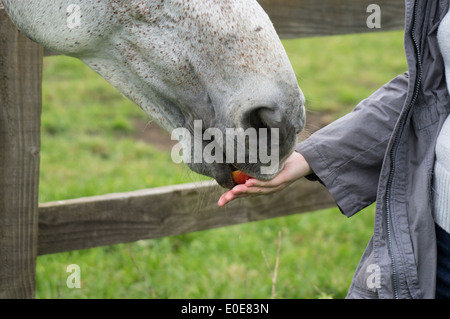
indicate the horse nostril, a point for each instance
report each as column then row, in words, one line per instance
column 264, row 118
column 255, row 120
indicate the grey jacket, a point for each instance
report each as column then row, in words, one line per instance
column 383, row 151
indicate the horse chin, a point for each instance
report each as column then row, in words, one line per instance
column 225, row 178
column 220, row 172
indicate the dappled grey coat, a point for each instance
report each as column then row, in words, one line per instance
column 383, row 151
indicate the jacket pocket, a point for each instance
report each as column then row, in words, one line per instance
column 425, row 116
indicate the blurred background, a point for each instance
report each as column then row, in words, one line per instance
column 94, row 142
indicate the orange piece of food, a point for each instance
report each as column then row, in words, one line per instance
column 240, row 177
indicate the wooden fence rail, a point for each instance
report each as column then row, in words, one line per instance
column 28, row 229
column 163, row 211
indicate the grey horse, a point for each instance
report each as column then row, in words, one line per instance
column 220, row 62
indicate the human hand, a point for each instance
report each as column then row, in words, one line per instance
column 294, row 168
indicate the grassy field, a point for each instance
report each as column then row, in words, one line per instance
column 90, row 147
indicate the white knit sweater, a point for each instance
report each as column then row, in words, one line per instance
column 441, row 180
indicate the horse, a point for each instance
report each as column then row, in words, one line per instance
column 190, row 64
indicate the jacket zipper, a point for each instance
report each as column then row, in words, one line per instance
column 393, row 156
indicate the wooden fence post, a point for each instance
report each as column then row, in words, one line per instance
column 20, row 110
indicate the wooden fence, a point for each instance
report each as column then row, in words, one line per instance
column 29, row 229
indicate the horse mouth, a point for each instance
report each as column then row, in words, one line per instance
column 224, row 176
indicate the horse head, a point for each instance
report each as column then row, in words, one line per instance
column 220, row 62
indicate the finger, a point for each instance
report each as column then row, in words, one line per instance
column 243, row 190
column 236, row 192
column 226, row 198
column 277, row 181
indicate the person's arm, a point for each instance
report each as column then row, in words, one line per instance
column 346, row 156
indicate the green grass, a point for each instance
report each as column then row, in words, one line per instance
column 89, row 147
column 335, row 73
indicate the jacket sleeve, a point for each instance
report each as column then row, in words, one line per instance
column 346, row 156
